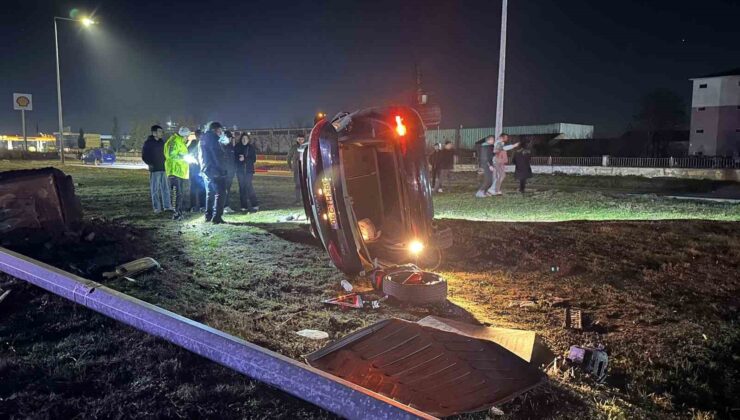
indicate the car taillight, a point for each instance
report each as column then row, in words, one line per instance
column 400, row 127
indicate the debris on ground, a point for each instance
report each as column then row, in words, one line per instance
column 572, row 318
column 524, row 343
column 427, row 368
column 90, row 237
column 133, row 268
column 4, row 295
column 313, row 334
column 36, row 205
column 352, row 300
column 593, row 361
column 408, row 283
column 522, row 303
column 557, row 301
column 347, row 286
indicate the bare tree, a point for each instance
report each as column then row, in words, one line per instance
column 660, row 110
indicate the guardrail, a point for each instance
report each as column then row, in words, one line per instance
column 691, row 162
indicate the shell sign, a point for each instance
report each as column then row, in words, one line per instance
column 22, row 102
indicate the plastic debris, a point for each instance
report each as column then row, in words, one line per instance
column 593, row 361
column 347, row 286
column 352, row 300
column 313, row 334
column 133, row 268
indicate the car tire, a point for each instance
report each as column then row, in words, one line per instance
column 432, row 290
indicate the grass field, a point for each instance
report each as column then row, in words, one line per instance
column 659, row 279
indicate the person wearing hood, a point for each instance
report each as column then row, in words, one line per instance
column 197, row 186
column 152, row 153
column 213, row 169
column 177, row 168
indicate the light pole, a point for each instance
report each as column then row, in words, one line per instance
column 501, row 73
column 60, row 139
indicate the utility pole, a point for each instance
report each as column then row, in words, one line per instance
column 60, row 142
column 501, row 73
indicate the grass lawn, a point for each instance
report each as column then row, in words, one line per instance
column 659, row 279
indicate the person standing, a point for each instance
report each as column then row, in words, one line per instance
column 177, row 168
column 445, row 165
column 522, row 166
column 294, row 164
column 433, row 159
column 246, row 156
column 197, row 186
column 230, row 164
column 498, row 163
column 152, row 153
column 485, row 169
column 213, row 169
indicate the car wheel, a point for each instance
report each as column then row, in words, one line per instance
column 415, row 286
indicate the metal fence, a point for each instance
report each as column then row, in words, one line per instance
column 699, row 162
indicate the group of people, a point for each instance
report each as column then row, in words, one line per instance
column 210, row 161
column 492, row 161
column 442, row 161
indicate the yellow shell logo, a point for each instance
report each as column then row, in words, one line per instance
column 22, row 101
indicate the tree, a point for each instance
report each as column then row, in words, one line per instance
column 116, row 142
column 81, row 140
column 140, row 130
column 660, row 110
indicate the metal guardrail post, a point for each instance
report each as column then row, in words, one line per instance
column 309, row 384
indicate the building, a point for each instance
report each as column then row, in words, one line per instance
column 715, row 114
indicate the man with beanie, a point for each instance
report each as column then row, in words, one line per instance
column 177, row 168
column 213, row 169
column 152, row 153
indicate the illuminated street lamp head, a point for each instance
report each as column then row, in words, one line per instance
column 87, row 21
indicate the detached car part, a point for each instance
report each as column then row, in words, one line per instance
column 408, row 283
column 366, row 189
column 439, row 372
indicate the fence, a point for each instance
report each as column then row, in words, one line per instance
column 694, row 162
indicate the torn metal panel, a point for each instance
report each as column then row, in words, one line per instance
column 523, row 343
column 36, row 204
column 438, row 372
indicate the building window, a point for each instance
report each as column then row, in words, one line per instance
column 699, row 131
column 701, row 108
column 703, row 86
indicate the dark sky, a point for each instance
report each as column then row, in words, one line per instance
column 272, row 63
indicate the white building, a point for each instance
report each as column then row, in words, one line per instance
column 715, row 114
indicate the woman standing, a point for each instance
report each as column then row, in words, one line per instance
column 245, row 156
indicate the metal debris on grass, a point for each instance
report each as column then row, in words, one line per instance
column 352, row 300
column 133, row 268
column 572, row 318
column 591, row 360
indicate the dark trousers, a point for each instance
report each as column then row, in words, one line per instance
column 229, row 180
column 177, row 192
column 522, row 184
column 247, row 195
column 297, row 182
column 197, row 189
column 215, row 197
column 486, row 179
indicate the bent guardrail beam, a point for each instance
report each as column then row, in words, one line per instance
column 326, row 391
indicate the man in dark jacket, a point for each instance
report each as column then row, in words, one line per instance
column 213, row 169
column 152, row 153
column 246, row 157
column 522, row 166
column 230, row 165
column 445, row 165
column 197, row 187
column 294, row 164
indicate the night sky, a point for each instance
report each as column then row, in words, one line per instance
column 275, row 63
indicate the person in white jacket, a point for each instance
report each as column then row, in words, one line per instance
column 498, row 162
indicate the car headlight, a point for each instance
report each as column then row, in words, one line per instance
column 415, row 247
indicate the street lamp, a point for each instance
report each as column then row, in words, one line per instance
column 87, row 22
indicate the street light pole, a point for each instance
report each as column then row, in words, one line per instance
column 60, row 141
column 501, row 73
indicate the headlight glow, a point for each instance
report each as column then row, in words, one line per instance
column 416, row 247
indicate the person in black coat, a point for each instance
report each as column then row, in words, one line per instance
column 433, row 158
column 213, row 168
column 246, row 156
column 152, row 153
column 230, row 164
column 445, row 165
column 523, row 168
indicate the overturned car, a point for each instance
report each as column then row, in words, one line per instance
column 366, row 190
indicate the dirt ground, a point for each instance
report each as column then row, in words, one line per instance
column 661, row 294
